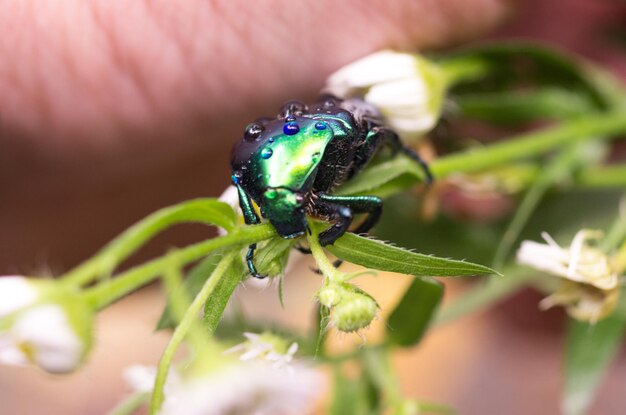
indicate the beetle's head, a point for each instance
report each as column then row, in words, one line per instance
column 285, row 210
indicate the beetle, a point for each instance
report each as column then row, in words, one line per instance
column 289, row 166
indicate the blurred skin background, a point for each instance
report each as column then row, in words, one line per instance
column 111, row 110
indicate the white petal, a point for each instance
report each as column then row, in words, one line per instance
column 246, row 389
column 140, row 377
column 11, row 355
column 419, row 124
column 378, row 67
column 15, row 293
column 47, row 331
column 408, row 93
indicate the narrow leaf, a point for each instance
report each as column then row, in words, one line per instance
column 590, row 349
column 409, row 320
column 216, row 303
column 378, row 255
column 377, row 175
column 193, row 283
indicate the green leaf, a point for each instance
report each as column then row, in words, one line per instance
column 322, row 315
column 590, row 349
column 513, row 107
column 216, row 303
column 349, row 396
column 524, row 65
column 272, row 255
column 409, row 320
column 378, row 255
column 193, row 283
column 381, row 173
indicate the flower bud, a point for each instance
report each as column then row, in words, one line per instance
column 43, row 324
column 355, row 311
column 408, row 90
column 272, row 256
column 330, row 295
column 16, row 292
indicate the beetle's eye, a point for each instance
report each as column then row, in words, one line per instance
column 292, row 108
column 253, row 131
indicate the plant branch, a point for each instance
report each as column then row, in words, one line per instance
column 112, row 290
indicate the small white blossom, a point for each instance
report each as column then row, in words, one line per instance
column 241, row 388
column 406, row 88
column 379, row 67
column 16, row 292
column 579, row 262
column 266, row 346
column 590, row 287
column 43, row 324
column 45, row 336
column 230, row 196
column 251, row 388
column 141, row 378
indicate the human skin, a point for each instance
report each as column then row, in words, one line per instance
column 111, row 109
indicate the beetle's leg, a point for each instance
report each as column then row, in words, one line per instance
column 342, row 216
column 302, row 249
column 341, row 208
column 372, row 205
column 380, row 136
column 250, row 218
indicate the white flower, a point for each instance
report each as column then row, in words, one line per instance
column 251, row 388
column 43, row 324
column 266, row 346
column 45, row 336
column 382, row 66
column 579, row 262
column 16, row 292
column 590, row 287
column 406, row 88
column 242, row 388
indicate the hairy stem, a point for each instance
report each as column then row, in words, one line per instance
column 186, row 323
column 531, row 144
column 112, row 290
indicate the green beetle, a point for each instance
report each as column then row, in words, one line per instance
column 289, row 166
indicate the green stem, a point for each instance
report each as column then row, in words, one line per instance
column 207, row 211
column 484, row 296
column 607, row 176
column 431, row 407
column 112, row 290
column 191, row 315
column 603, row 126
column 463, row 69
column 131, row 404
column 559, row 168
column 323, row 263
column 179, row 302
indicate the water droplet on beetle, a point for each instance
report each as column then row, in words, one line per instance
column 320, row 125
column 291, row 128
column 266, row 153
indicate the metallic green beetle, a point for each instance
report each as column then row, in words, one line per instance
column 289, row 166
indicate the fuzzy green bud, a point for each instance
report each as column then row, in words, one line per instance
column 355, row 311
column 330, row 295
column 271, row 258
